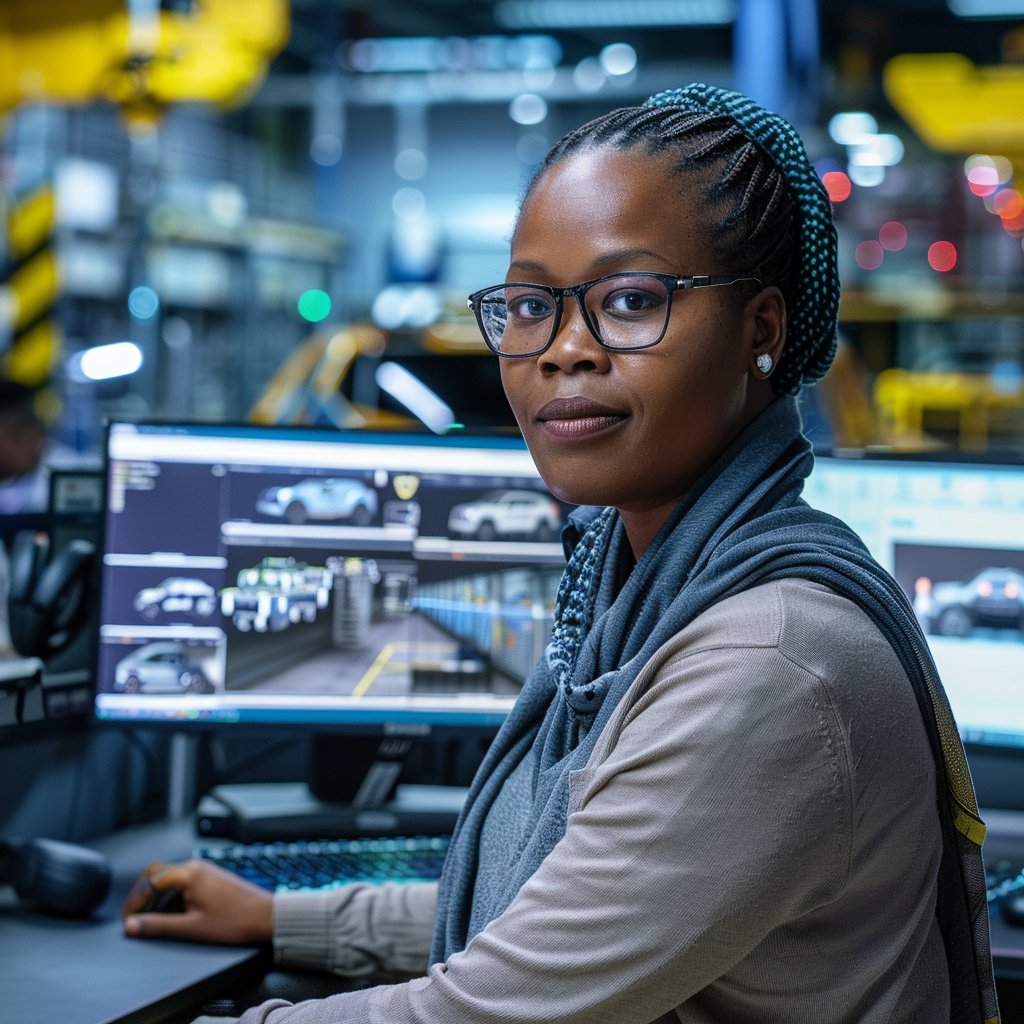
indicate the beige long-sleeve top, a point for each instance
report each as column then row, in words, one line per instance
column 754, row 838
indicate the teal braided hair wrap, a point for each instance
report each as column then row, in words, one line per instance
column 812, row 310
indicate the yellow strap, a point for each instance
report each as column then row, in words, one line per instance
column 970, row 826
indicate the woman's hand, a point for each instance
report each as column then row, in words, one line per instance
column 220, row 907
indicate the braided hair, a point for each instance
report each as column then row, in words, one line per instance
column 754, row 222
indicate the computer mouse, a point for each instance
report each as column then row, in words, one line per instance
column 58, row 877
column 169, row 901
column 1012, row 908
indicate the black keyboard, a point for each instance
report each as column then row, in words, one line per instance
column 330, row 864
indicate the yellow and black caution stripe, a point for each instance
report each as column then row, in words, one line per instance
column 30, row 338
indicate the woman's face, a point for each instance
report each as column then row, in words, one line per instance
column 632, row 429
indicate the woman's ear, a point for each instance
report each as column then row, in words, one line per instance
column 765, row 320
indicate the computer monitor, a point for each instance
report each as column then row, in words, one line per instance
column 952, row 534
column 295, row 576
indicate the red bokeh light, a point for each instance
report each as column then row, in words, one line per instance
column 942, row 256
column 838, row 186
column 983, row 180
column 1008, row 203
column 893, row 236
column 869, row 255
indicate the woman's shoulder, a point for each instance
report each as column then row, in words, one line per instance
column 818, row 629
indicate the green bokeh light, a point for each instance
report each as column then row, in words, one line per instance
column 314, row 305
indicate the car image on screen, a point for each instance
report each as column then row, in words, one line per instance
column 320, row 498
column 501, row 514
column 177, row 594
column 161, row 667
column 994, row 598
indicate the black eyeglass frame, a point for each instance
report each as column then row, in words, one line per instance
column 579, row 291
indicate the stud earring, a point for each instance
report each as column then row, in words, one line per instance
column 765, row 363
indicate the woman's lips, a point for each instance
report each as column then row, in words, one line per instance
column 578, row 417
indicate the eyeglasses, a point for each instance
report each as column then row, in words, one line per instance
column 623, row 312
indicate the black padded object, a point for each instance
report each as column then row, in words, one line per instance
column 28, row 556
column 58, row 877
column 47, row 602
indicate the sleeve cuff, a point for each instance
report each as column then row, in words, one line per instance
column 303, row 930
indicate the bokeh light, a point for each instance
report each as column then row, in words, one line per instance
column 837, row 185
column 869, row 255
column 143, row 302
column 1007, row 203
column 529, row 108
column 314, row 305
column 893, row 236
column 983, row 178
column 618, row 59
column 942, row 256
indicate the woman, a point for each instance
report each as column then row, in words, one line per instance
column 715, row 799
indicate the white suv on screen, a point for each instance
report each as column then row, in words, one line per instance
column 507, row 514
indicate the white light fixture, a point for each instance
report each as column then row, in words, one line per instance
column 618, row 59
column 86, row 194
column 102, row 362
column 576, row 14
column 528, row 108
column 415, row 396
column 987, row 8
column 850, row 128
column 400, row 305
column 877, row 151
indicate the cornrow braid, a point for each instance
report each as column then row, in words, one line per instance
column 768, row 211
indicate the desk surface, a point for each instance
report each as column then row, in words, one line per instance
column 87, row 972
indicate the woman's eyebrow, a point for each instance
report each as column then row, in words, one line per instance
column 617, row 256
column 620, row 255
column 528, row 265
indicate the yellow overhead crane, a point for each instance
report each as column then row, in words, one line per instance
column 78, row 51
column 73, row 52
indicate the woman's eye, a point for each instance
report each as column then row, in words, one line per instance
column 530, row 307
column 631, row 302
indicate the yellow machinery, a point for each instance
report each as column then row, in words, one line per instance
column 136, row 55
column 970, row 405
column 77, row 51
column 955, row 106
column 307, row 387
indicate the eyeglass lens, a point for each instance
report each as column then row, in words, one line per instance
column 630, row 311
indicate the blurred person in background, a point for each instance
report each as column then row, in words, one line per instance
column 23, row 483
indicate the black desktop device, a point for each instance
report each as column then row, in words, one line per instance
column 369, row 589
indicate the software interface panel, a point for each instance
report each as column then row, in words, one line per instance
column 269, row 575
column 953, row 537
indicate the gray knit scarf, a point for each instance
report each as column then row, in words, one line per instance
column 742, row 524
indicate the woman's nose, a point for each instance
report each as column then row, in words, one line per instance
column 574, row 347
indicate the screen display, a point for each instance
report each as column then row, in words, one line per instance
column 953, row 537
column 266, row 574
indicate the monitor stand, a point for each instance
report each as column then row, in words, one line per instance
column 351, row 791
